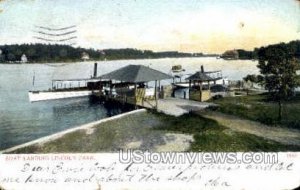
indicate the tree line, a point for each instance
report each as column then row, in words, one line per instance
column 254, row 54
column 63, row 53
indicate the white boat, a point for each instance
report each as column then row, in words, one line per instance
column 67, row 88
column 35, row 96
column 222, row 81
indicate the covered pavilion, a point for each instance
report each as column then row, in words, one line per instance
column 129, row 84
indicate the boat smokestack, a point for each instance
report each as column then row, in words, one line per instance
column 202, row 69
column 95, row 70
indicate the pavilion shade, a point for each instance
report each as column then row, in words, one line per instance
column 136, row 74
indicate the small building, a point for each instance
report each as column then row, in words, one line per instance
column 85, row 56
column 197, row 90
column 24, row 59
column 2, row 59
column 102, row 52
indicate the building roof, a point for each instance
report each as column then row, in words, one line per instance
column 136, row 74
column 200, row 76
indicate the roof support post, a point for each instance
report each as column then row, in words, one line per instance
column 155, row 94
column 200, row 91
column 135, row 96
column 110, row 88
column 159, row 90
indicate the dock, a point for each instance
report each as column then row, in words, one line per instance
column 129, row 86
column 169, row 105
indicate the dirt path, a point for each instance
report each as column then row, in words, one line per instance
column 279, row 134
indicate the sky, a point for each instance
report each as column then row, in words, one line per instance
column 208, row 26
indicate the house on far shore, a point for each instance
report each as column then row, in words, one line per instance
column 102, row 52
column 1, row 56
column 85, row 56
column 230, row 54
column 24, row 59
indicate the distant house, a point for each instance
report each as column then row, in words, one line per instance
column 24, row 59
column 102, row 53
column 85, row 56
column 230, row 54
column 1, row 56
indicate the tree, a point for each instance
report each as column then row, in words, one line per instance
column 278, row 66
column 2, row 58
column 11, row 57
column 254, row 78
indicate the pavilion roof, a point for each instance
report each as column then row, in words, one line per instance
column 136, row 74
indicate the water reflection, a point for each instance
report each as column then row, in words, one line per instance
column 112, row 108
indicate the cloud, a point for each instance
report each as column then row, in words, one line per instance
column 207, row 28
column 216, row 31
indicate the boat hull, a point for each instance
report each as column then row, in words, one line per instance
column 35, row 96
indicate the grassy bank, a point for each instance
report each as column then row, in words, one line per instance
column 148, row 131
column 209, row 135
column 106, row 137
column 258, row 108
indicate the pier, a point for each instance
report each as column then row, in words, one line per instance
column 129, row 85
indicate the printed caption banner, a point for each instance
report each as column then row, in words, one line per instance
column 145, row 170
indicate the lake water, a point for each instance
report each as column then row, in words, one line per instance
column 22, row 121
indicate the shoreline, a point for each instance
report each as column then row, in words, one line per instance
column 68, row 131
column 154, row 132
column 109, row 60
